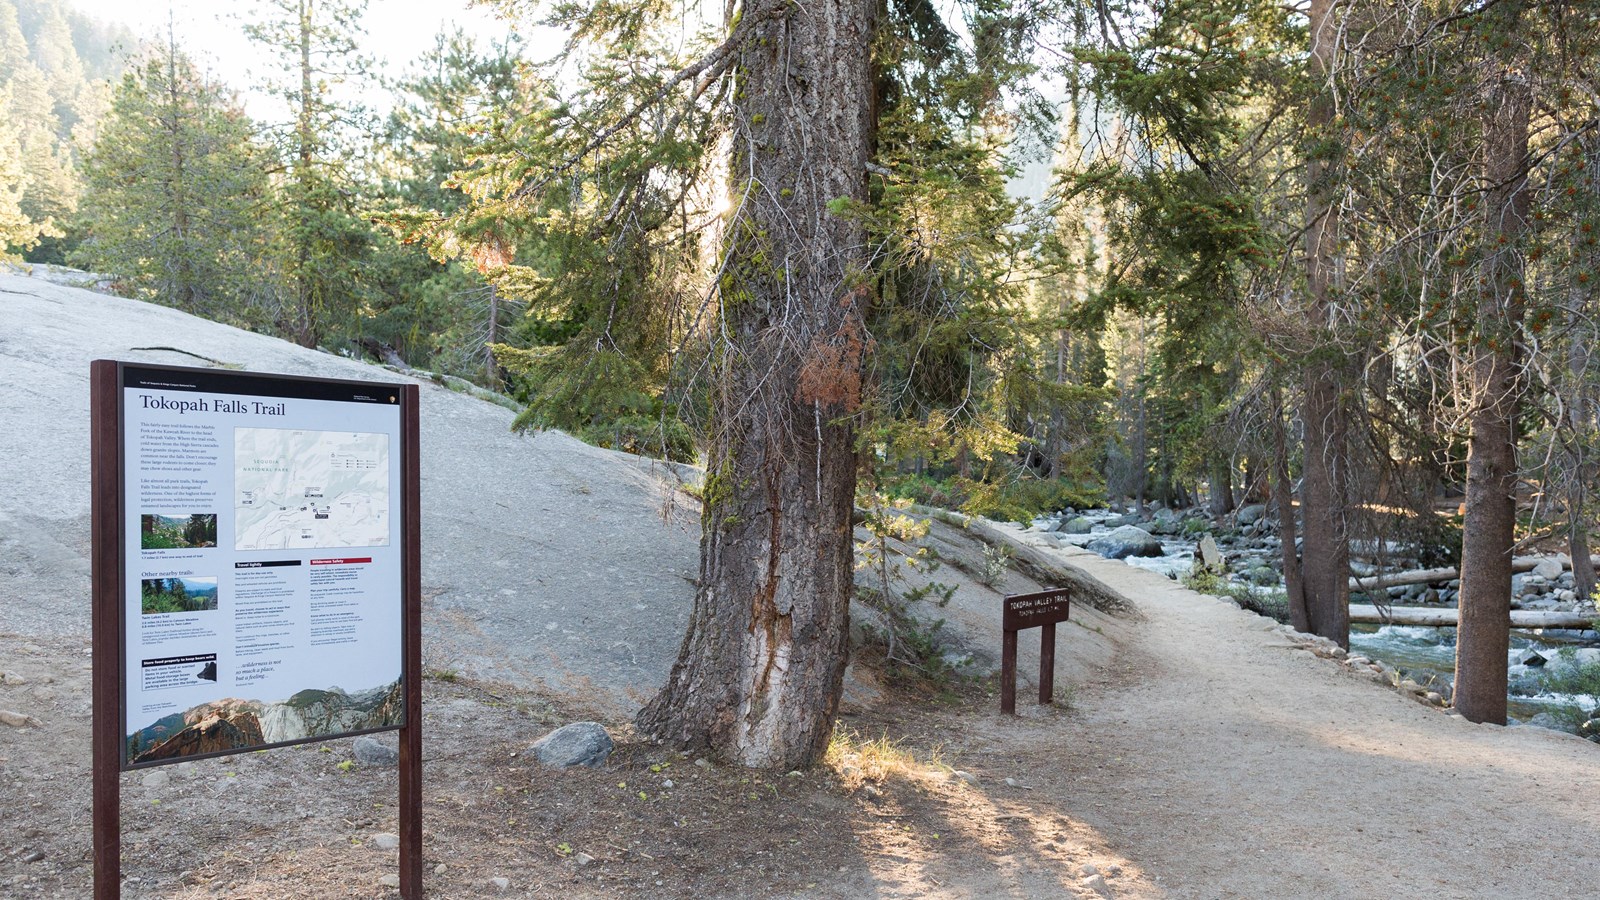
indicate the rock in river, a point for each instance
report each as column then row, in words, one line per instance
column 1126, row 541
column 1209, row 555
column 1548, row 568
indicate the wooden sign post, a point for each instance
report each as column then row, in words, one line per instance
column 1038, row 610
column 256, row 548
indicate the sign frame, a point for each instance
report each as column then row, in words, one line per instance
column 109, row 620
column 1042, row 610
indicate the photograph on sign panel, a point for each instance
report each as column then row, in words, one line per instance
column 177, row 595
column 181, row 531
column 238, row 724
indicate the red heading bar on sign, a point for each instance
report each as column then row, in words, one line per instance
column 346, row 561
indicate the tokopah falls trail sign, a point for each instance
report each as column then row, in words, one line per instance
column 257, row 576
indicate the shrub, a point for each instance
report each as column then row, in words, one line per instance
column 1269, row 602
column 1019, row 500
column 1567, row 676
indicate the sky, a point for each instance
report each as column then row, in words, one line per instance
column 211, row 31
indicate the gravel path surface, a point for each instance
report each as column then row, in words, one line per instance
column 1227, row 761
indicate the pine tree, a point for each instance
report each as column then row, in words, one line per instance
column 50, row 194
column 176, row 190
column 753, row 314
column 442, row 315
column 776, row 555
column 325, row 243
column 17, row 231
column 53, row 103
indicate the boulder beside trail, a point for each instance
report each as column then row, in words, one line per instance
column 578, row 744
column 1251, row 514
column 1548, row 568
column 371, row 752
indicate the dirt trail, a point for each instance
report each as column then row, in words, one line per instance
column 1225, row 761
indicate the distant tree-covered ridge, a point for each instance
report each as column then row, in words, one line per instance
column 56, row 66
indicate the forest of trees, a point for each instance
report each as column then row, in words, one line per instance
column 1335, row 257
column 177, row 595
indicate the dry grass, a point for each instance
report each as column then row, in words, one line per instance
column 857, row 760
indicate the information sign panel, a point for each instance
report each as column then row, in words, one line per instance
column 263, row 561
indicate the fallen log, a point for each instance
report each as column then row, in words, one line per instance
column 1372, row 583
column 1035, row 563
column 1420, row 615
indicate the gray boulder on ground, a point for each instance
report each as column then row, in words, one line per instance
column 1249, row 515
column 1164, row 526
column 1209, row 556
column 1077, row 525
column 1570, row 659
column 1124, row 542
column 375, row 753
column 578, row 744
column 1548, row 568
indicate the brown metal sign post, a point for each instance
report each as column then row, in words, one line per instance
column 213, row 491
column 1040, row 610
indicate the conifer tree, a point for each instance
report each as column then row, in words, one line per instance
column 443, row 315
column 17, row 231
column 50, row 192
column 756, row 315
column 324, row 242
column 176, row 191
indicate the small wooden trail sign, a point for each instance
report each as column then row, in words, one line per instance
column 1041, row 610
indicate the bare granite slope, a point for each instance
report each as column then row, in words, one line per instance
column 543, row 558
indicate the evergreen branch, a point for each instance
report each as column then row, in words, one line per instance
column 706, row 71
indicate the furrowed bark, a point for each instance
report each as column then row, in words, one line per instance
column 758, row 676
column 1325, row 488
column 1487, row 539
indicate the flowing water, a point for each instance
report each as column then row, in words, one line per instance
column 1428, row 656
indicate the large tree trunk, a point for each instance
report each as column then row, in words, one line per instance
column 308, row 331
column 1293, row 583
column 491, row 366
column 1139, row 450
column 757, row 679
column 1483, row 639
column 1325, row 492
column 1221, row 484
column 1056, row 442
column 1579, row 417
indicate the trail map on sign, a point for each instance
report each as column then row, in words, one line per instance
column 303, row 489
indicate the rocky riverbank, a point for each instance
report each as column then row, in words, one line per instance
column 1248, row 552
